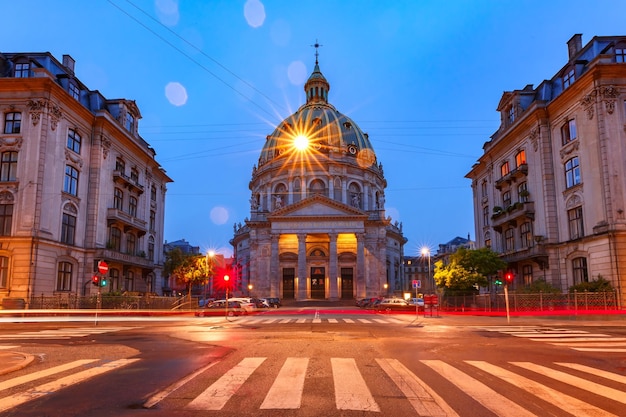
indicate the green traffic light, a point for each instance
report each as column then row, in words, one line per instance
column 103, row 282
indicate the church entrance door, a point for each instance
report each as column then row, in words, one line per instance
column 289, row 275
column 347, row 283
column 318, row 278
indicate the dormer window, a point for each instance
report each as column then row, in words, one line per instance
column 22, row 70
column 130, row 123
column 74, row 91
column 568, row 78
column 511, row 114
column 620, row 54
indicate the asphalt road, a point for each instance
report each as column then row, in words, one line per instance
column 317, row 363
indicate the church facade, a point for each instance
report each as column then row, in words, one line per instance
column 317, row 227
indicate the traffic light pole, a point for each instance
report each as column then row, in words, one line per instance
column 506, row 302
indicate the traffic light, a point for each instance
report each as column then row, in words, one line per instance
column 509, row 277
column 95, row 280
column 498, row 281
column 103, row 281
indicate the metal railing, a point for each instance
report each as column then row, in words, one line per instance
column 111, row 302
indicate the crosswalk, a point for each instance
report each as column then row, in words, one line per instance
column 579, row 340
column 351, row 391
column 66, row 333
column 512, row 388
column 321, row 320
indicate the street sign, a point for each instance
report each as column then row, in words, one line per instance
column 103, row 268
column 415, row 283
column 419, row 283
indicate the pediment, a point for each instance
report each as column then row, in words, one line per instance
column 317, row 206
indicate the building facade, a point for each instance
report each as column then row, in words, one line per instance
column 78, row 184
column 317, row 227
column 550, row 188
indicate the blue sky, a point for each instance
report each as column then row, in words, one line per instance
column 213, row 78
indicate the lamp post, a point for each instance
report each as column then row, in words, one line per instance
column 426, row 252
column 226, row 278
column 209, row 266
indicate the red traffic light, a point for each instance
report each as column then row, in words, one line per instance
column 508, row 277
column 95, row 280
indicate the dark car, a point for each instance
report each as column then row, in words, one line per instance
column 218, row 308
column 273, row 302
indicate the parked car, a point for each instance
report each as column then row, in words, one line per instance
column 218, row 308
column 260, row 302
column 273, row 302
column 361, row 302
column 394, row 304
column 247, row 303
column 418, row 301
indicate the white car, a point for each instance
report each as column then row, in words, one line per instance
column 246, row 303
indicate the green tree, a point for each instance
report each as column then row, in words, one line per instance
column 467, row 269
column 194, row 269
column 598, row 285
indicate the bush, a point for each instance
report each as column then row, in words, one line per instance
column 538, row 286
column 598, row 285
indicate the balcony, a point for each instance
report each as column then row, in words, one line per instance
column 537, row 253
column 516, row 213
column 519, row 172
column 124, row 180
column 128, row 222
column 113, row 256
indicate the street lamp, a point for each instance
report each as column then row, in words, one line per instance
column 386, row 287
column 209, row 266
column 426, row 252
column 249, row 289
column 226, row 279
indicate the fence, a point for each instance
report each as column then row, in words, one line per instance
column 522, row 302
column 116, row 302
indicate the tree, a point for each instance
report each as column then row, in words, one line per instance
column 467, row 269
column 189, row 269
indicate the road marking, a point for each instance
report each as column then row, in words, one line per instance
column 216, row 396
column 364, row 321
column 44, row 373
column 333, row 321
column 497, row 403
column 284, row 321
column 424, row 399
column 351, row 392
column 593, row 371
column 45, row 389
column 560, row 400
column 63, row 333
column 348, row 320
column 286, row 391
column 301, row 321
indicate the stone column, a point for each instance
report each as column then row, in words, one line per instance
column 302, row 273
column 275, row 275
column 333, row 275
column 361, row 284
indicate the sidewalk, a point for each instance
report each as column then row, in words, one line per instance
column 13, row 361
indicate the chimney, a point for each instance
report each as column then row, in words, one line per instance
column 574, row 45
column 68, row 63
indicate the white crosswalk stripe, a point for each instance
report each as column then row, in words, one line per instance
column 318, row 320
column 574, row 339
column 89, row 371
column 63, row 334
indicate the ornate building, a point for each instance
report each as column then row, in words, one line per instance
column 317, row 226
column 78, row 184
column 550, row 189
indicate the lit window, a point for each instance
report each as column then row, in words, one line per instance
column 70, row 185
column 504, row 168
column 8, row 166
column 568, row 132
column 520, row 158
column 575, row 223
column 579, row 269
column 73, row 141
column 572, row 172
column 12, row 122
column 64, row 276
column 22, row 70
column 568, row 78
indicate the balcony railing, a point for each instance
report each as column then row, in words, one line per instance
column 519, row 172
column 513, row 214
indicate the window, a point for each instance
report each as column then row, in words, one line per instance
column 132, row 206
column 151, row 248
column 506, row 199
column 120, row 166
column 504, row 169
column 22, row 70
column 118, row 199
column 579, row 268
column 575, row 221
column 4, row 272
column 129, row 284
column 73, row 141
column 6, row 219
column 620, row 55
column 8, row 166
column 131, row 243
column 12, row 122
column 68, row 229
column 525, row 235
column 134, row 175
column 509, row 239
column 153, row 193
column 152, row 220
column 74, row 91
column 568, row 132
column 483, row 189
column 115, row 239
column 486, row 216
column 527, row 274
column 70, row 185
column 522, row 192
column 64, row 276
column 114, row 278
column 568, row 78
column 520, row 158
column 572, row 172
column 511, row 114
column 130, row 122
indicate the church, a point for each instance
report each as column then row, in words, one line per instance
column 317, row 227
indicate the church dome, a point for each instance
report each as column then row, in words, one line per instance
column 324, row 128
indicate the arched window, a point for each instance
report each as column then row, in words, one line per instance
column 355, row 195
column 317, row 186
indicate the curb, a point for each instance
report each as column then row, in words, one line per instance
column 14, row 361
